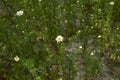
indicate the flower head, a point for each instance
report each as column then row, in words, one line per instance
column 16, row 58
column 80, row 47
column 111, row 3
column 19, row 13
column 92, row 53
column 59, row 38
column 40, row 0
column 60, row 79
column 78, row 1
column 99, row 36
column 79, row 31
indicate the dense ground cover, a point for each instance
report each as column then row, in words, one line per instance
column 34, row 35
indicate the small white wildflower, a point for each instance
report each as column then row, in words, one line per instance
column 59, row 38
column 78, row 1
column 99, row 36
column 19, row 13
column 60, row 79
column 111, row 3
column 80, row 47
column 16, row 25
column 82, row 6
column 66, row 21
column 59, row 6
column 46, row 28
column 117, row 28
column 99, row 10
column 92, row 53
column 83, row 20
column 92, row 27
column 79, row 31
column 40, row 0
column 16, row 58
column 4, row 47
column 50, row 68
column 33, row 17
column 23, row 31
column 91, row 15
column 64, row 10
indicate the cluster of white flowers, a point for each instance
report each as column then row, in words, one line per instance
column 59, row 38
column 19, row 13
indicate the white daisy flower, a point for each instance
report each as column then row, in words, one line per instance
column 60, row 79
column 79, row 31
column 66, row 21
column 99, row 36
column 16, row 58
column 19, row 13
column 92, row 53
column 78, row 1
column 40, row 0
column 111, row 3
column 59, row 38
column 80, row 47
